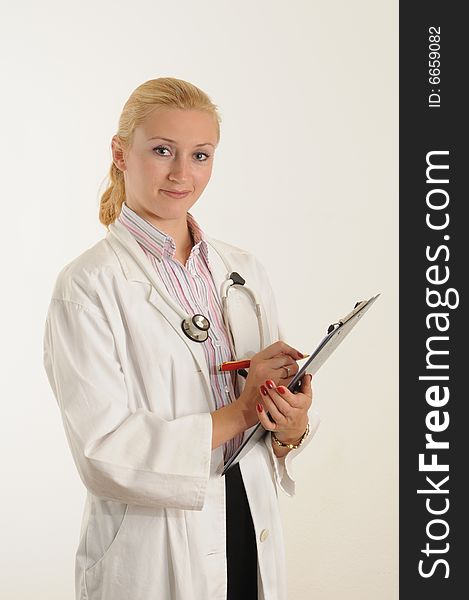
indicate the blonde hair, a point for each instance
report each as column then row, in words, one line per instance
column 164, row 91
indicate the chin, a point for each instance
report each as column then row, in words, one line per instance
column 170, row 211
column 175, row 206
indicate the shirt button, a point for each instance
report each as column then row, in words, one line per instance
column 264, row 535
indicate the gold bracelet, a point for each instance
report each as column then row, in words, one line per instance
column 291, row 446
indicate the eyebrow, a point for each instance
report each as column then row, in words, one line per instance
column 157, row 137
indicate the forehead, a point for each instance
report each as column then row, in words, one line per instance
column 182, row 126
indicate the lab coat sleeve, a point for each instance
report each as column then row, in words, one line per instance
column 132, row 456
column 283, row 467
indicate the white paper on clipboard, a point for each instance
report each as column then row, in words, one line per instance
column 336, row 333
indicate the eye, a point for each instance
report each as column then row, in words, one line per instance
column 161, row 148
column 203, row 154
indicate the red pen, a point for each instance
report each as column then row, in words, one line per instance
column 234, row 365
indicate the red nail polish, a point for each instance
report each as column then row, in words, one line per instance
column 264, row 390
column 259, row 408
column 281, row 389
column 270, row 384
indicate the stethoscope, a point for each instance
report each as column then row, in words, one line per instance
column 196, row 327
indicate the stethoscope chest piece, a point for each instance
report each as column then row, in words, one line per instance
column 196, row 328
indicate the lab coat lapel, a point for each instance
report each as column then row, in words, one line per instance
column 134, row 272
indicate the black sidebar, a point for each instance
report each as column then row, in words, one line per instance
column 434, row 331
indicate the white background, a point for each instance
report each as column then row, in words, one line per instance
column 305, row 177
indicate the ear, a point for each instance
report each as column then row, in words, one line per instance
column 118, row 153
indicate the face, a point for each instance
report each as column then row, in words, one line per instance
column 172, row 150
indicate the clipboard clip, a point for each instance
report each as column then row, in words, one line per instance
column 358, row 306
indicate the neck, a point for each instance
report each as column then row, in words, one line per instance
column 178, row 229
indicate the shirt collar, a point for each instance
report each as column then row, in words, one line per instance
column 158, row 243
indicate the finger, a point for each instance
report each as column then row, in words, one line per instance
column 287, row 371
column 281, row 346
column 264, row 419
column 306, row 385
column 294, row 400
column 304, row 396
column 275, row 404
column 282, row 360
column 280, row 380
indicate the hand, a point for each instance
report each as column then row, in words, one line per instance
column 274, row 362
column 237, row 416
column 288, row 412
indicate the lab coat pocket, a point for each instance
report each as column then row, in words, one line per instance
column 105, row 523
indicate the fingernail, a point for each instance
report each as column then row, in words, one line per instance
column 270, row 384
column 281, row 389
column 310, row 377
column 264, row 390
column 259, row 408
column 300, row 355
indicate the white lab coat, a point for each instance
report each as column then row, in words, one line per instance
column 135, row 399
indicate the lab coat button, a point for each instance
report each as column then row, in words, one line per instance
column 264, row 535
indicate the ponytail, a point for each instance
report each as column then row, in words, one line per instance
column 112, row 199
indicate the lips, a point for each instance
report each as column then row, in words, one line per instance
column 176, row 194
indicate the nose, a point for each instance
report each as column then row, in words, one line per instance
column 180, row 169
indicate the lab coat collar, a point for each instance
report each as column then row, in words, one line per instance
column 133, row 272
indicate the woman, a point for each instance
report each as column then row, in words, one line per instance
column 149, row 418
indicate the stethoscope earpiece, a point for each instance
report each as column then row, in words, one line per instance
column 237, row 279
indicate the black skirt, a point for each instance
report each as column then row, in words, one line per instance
column 241, row 550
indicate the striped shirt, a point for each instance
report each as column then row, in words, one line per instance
column 191, row 285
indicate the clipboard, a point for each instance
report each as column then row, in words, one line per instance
column 336, row 333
